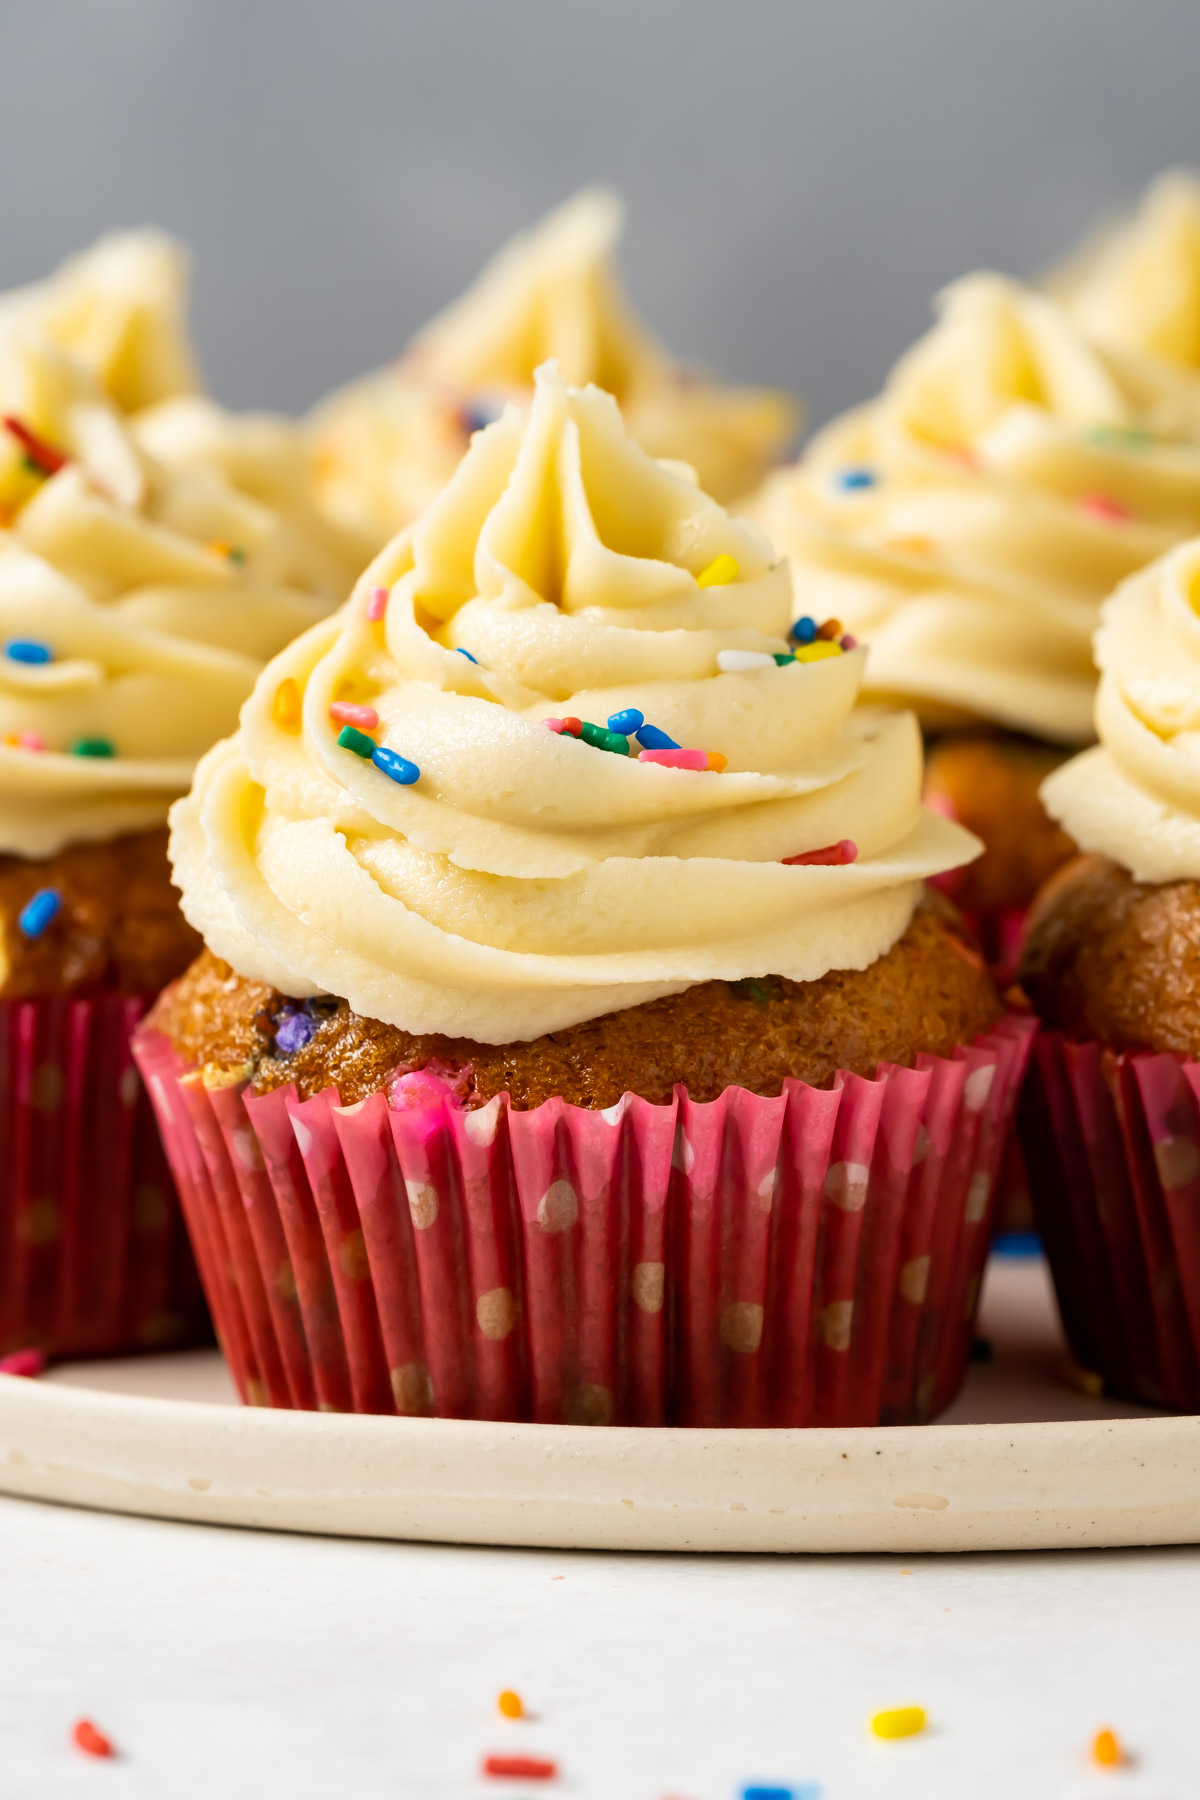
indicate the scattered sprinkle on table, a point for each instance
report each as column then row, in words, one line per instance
column 521, row 1768
column 46, row 460
column 855, row 478
column 1106, row 1749
column 85, row 1737
column 39, row 912
column 720, row 572
column 377, row 605
column 347, row 713
column 93, row 746
column 28, row 1364
column 899, row 1722
column 756, row 1790
column 28, row 650
column 511, row 1705
column 287, row 707
column 832, row 856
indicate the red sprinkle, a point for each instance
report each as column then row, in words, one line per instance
column 845, row 851
column 92, row 1742
column 377, row 605
column 23, row 1362
column 47, row 458
column 521, row 1768
column 1099, row 506
column 849, row 642
column 573, row 727
column 347, row 713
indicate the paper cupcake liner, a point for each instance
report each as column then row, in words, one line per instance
column 812, row 1259
column 93, row 1254
column 1112, row 1148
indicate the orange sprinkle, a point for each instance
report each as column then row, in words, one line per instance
column 218, row 548
column 286, row 708
column 717, row 762
column 831, row 629
column 511, row 1705
column 85, row 1737
column 1106, row 1749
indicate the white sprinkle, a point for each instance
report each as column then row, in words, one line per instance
column 733, row 662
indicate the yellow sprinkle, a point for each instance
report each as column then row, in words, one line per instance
column 816, row 652
column 901, row 1721
column 286, row 708
column 1106, row 1749
column 511, row 1705
column 720, row 572
column 717, row 762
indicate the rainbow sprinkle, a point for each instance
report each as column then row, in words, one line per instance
column 287, row 707
column 832, row 856
column 1104, row 509
column 855, row 478
column 511, row 1705
column 720, row 572
column 347, row 713
column 1106, row 1749
column 351, row 739
column 28, row 650
column 93, row 746
column 394, row 766
column 899, row 1722
column 43, row 458
column 377, row 605
column 39, row 913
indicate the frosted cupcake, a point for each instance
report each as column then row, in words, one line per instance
column 969, row 523
column 148, row 567
column 566, row 935
column 1112, row 1126
column 389, row 444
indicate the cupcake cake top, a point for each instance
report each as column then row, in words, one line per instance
column 558, row 757
column 1135, row 797
column 148, row 567
column 119, row 308
column 390, row 443
column 970, row 521
column 1136, row 288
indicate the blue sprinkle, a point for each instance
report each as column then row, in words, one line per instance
column 396, row 766
column 294, row 1032
column 39, row 912
column 28, row 650
column 480, row 412
column 808, row 1790
column 1018, row 1243
column 468, row 656
column 804, row 631
column 856, row 478
column 651, row 738
column 629, row 720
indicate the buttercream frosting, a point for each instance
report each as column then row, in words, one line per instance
column 970, row 521
column 1135, row 796
column 154, row 564
column 389, row 443
column 529, row 879
column 119, row 308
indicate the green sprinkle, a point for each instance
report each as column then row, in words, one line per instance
column 93, row 746
column 783, row 657
column 601, row 738
column 1120, row 437
column 237, row 556
column 762, row 989
column 358, row 741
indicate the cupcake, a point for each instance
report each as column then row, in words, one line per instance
column 389, row 443
column 575, row 1038
column 969, row 523
column 1111, row 1126
column 149, row 565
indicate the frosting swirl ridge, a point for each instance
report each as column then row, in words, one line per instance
column 1135, row 797
column 531, row 879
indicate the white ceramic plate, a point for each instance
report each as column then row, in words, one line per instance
column 1021, row 1461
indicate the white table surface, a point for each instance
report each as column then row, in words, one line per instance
column 231, row 1663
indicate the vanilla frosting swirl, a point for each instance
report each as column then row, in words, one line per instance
column 1135, row 796
column 389, row 443
column 530, row 880
column 971, row 520
column 119, row 308
column 158, row 568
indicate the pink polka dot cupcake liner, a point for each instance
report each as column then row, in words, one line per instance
column 812, row 1259
column 94, row 1258
column 1112, row 1148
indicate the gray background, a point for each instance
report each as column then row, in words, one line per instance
column 801, row 177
